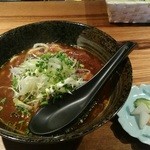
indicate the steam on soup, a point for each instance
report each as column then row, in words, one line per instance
column 39, row 75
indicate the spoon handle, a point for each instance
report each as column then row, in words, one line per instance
column 104, row 74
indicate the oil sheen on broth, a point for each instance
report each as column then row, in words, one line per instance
column 15, row 112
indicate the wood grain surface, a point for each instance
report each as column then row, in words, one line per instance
column 111, row 136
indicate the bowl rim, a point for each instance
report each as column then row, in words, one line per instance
column 55, row 139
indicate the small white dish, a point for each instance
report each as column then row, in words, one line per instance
column 129, row 122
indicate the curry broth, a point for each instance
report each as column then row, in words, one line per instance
column 8, row 114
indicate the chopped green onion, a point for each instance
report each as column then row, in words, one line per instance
column 43, row 77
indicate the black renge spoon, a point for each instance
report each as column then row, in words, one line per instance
column 58, row 115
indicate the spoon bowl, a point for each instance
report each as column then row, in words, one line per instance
column 56, row 116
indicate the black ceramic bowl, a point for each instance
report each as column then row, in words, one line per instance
column 95, row 41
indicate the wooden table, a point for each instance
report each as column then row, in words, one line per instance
column 110, row 136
